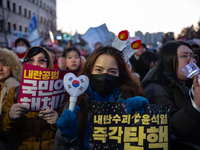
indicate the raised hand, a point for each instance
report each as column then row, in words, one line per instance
column 135, row 104
column 68, row 123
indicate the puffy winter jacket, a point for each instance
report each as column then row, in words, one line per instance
column 184, row 118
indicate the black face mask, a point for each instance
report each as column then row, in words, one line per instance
column 103, row 84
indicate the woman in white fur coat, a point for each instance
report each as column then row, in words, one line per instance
column 10, row 72
column 10, row 76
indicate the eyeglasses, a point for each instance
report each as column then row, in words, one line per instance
column 187, row 57
column 31, row 60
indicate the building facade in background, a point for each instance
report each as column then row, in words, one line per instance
column 15, row 17
column 150, row 38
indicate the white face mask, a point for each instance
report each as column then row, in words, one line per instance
column 21, row 49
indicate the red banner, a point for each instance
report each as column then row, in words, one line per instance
column 42, row 88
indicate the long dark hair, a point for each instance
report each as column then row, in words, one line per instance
column 128, row 83
column 168, row 60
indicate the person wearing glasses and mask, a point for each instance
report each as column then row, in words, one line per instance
column 34, row 130
column 165, row 85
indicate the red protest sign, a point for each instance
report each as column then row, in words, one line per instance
column 42, row 88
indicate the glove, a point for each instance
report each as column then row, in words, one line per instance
column 135, row 104
column 68, row 123
column 17, row 110
column 50, row 115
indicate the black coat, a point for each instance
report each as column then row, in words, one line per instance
column 184, row 118
column 133, row 62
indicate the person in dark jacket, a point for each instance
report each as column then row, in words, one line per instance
column 134, row 58
column 109, row 81
column 165, row 85
column 145, row 63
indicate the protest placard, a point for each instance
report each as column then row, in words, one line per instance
column 113, row 128
column 42, row 88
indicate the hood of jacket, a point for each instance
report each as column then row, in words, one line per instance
column 50, row 58
column 13, row 62
column 149, row 76
column 167, row 80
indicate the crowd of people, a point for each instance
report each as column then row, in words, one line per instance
column 150, row 77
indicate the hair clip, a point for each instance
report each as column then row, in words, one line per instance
column 131, row 49
column 127, row 47
column 120, row 40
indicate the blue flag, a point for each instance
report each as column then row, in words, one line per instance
column 34, row 37
column 33, row 24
